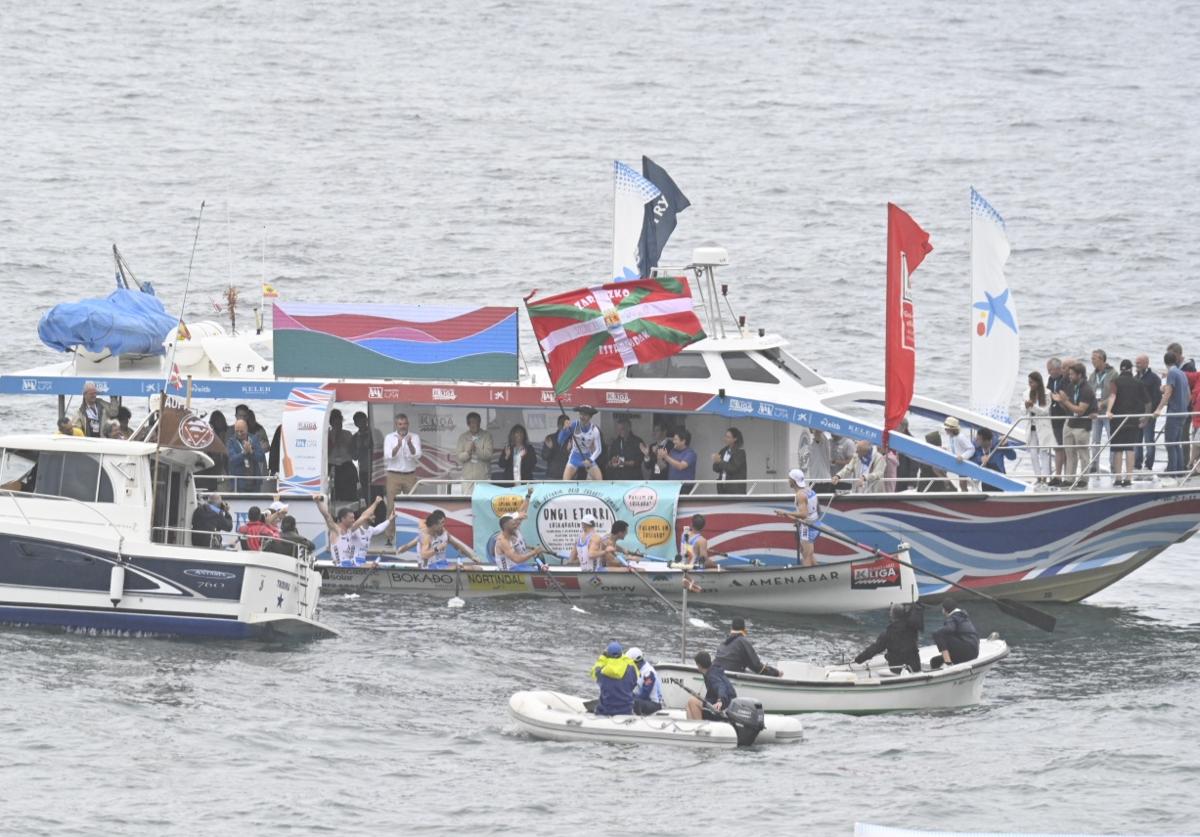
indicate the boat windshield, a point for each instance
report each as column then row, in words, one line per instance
column 18, row 470
column 683, row 365
column 57, row 474
column 793, row 367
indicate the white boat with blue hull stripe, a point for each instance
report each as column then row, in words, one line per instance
column 85, row 543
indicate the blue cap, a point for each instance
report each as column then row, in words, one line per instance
column 613, row 649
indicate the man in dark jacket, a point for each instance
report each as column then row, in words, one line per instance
column 209, row 519
column 957, row 639
column 898, row 642
column 737, row 654
column 617, row 676
column 718, row 691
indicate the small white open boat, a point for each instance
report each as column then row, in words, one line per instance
column 554, row 716
column 850, row 689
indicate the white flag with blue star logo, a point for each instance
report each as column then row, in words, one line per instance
column 995, row 336
column 631, row 193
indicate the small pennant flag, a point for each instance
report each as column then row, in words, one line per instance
column 269, row 292
column 182, row 332
column 175, row 381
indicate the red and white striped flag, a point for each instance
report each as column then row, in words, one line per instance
column 175, row 381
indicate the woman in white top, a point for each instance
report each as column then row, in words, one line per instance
column 1041, row 432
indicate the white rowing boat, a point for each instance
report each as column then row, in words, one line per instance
column 554, row 716
column 851, row 689
column 836, row 587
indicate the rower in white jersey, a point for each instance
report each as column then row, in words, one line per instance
column 806, row 512
column 694, row 551
column 510, row 553
column 590, row 549
column 432, row 543
column 350, row 537
column 585, row 452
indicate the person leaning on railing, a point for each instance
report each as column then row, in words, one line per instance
column 209, row 520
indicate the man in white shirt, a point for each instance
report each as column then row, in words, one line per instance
column 957, row 445
column 401, row 456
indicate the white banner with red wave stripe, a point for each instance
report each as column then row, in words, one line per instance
column 302, row 454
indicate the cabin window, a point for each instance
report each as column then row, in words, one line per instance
column 793, row 367
column 74, row 475
column 18, row 471
column 742, row 367
column 684, row 365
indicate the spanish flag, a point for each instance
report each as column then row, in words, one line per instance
column 269, row 292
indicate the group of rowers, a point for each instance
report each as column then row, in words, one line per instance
column 350, row 536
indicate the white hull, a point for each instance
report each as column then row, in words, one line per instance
column 553, row 716
column 842, row 587
column 809, row 688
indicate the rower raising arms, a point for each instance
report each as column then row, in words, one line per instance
column 510, row 552
column 433, row 540
column 806, row 512
column 587, row 446
column 350, row 537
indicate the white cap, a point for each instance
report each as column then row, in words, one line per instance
column 590, row 520
column 279, row 505
column 796, row 476
column 634, row 653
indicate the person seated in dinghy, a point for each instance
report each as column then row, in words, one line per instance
column 718, row 691
column 898, row 642
column 617, row 676
column 737, row 653
column 510, row 554
column 433, row 540
column 957, row 639
column 647, row 695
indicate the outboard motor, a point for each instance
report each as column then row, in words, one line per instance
column 747, row 718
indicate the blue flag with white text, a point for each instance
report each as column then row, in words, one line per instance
column 659, row 221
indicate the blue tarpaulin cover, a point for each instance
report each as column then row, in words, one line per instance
column 124, row 322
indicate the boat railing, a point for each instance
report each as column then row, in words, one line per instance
column 103, row 519
column 233, row 541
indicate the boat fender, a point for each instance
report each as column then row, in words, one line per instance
column 116, row 584
column 748, row 719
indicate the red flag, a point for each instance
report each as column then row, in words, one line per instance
column 592, row 330
column 907, row 247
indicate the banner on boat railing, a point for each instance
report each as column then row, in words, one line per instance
column 557, row 511
column 397, row 342
column 302, row 448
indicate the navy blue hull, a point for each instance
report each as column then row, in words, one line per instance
column 118, row 620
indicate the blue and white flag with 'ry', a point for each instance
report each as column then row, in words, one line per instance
column 631, row 193
column 995, row 336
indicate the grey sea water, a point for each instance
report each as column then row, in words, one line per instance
column 459, row 150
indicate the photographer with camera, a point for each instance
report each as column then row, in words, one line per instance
column 898, row 642
column 209, row 520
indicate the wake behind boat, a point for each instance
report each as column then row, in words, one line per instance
column 554, row 716
column 850, row 689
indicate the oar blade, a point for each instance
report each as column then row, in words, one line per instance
column 1035, row 617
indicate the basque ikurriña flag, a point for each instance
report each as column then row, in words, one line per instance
column 907, row 246
column 588, row 332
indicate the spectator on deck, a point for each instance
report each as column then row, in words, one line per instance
column 901, row 469
column 680, row 460
column 209, row 520
column 93, row 412
column 651, row 461
column 258, row 531
column 257, row 429
column 1041, row 432
column 623, row 454
column 67, row 428
column 930, row 477
column 124, row 431
column 865, row 471
column 367, row 440
column 957, row 445
column 1174, row 401
column 474, row 453
column 1184, row 365
column 1078, row 399
column 1127, row 398
column 208, row 478
column 554, row 454
column 401, row 458
column 1101, row 383
column 518, row 458
column 290, row 541
column 730, row 464
column 247, row 459
column 1056, row 381
column 112, row 429
column 988, row 454
column 1148, row 378
column 842, row 452
column 820, row 459
column 341, row 459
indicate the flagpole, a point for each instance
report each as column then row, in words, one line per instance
column 970, row 297
column 545, row 360
column 162, row 396
column 614, row 232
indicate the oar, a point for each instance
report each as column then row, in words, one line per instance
column 695, row 622
column 457, row 601
column 718, row 712
column 375, row 568
column 1035, row 617
column 546, row 572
